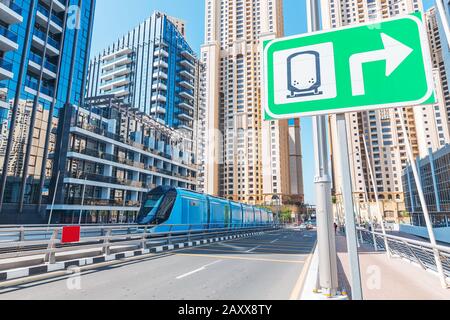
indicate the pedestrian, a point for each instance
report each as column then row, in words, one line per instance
column 335, row 228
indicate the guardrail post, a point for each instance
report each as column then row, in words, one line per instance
column 106, row 243
column 374, row 239
column 144, row 239
column 50, row 256
column 169, row 236
column 21, row 234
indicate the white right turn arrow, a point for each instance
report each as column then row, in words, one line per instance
column 394, row 53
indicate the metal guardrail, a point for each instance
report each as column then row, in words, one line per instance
column 37, row 240
column 419, row 252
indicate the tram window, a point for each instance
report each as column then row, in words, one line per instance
column 152, row 200
column 166, row 206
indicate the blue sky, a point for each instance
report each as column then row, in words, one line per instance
column 115, row 17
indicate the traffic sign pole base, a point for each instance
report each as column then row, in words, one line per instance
column 319, row 295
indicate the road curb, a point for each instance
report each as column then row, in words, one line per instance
column 19, row 273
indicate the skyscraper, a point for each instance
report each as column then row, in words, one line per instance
column 386, row 149
column 443, row 20
column 153, row 70
column 440, row 21
column 433, row 122
column 44, row 47
column 246, row 159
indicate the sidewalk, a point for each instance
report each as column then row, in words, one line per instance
column 389, row 279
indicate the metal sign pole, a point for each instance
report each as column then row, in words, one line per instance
column 326, row 241
column 350, row 228
column 422, row 200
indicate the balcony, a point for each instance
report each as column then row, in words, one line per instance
column 185, row 127
column 53, row 45
column 160, row 75
column 119, row 81
column 161, row 53
column 186, row 106
column 187, row 75
column 188, row 55
column 160, row 64
column 10, row 13
column 57, row 5
column 186, row 95
column 186, row 85
column 95, row 177
column 159, row 97
column 116, row 72
column 6, row 70
column 56, row 24
column 35, row 62
column 8, row 40
column 117, row 62
column 159, row 86
column 158, row 109
column 32, row 83
column 187, row 64
column 185, row 116
column 161, row 43
column 102, row 202
column 116, row 54
column 119, row 92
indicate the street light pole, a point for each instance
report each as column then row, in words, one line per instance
column 326, row 242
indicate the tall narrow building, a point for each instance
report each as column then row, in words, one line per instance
column 44, row 50
column 433, row 122
column 246, row 159
column 386, row 149
column 443, row 21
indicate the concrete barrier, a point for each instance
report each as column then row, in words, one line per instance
column 17, row 273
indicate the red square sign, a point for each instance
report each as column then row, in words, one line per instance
column 70, row 234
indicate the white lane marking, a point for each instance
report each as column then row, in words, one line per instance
column 253, row 249
column 197, row 270
column 274, row 241
column 231, row 246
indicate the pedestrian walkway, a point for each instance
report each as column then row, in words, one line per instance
column 389, row 279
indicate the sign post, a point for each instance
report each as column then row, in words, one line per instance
column 347, row 194
column 387, row 64
column 326, row 241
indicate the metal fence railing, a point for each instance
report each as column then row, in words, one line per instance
column 38, row 240
column 419, row 252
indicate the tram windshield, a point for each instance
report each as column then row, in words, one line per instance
column 149, row 209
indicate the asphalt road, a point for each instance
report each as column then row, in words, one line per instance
column 267, row 267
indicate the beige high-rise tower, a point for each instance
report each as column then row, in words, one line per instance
column 386, row 149
column 246, row 159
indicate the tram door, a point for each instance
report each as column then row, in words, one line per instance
column 227, row 216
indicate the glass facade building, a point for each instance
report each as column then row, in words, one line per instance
column 44, row 50
column 153, row 69
column 434, row 172
column 114, row 157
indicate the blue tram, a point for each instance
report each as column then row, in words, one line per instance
column 180, row 207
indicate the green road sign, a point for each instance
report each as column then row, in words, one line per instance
column 355, row 68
